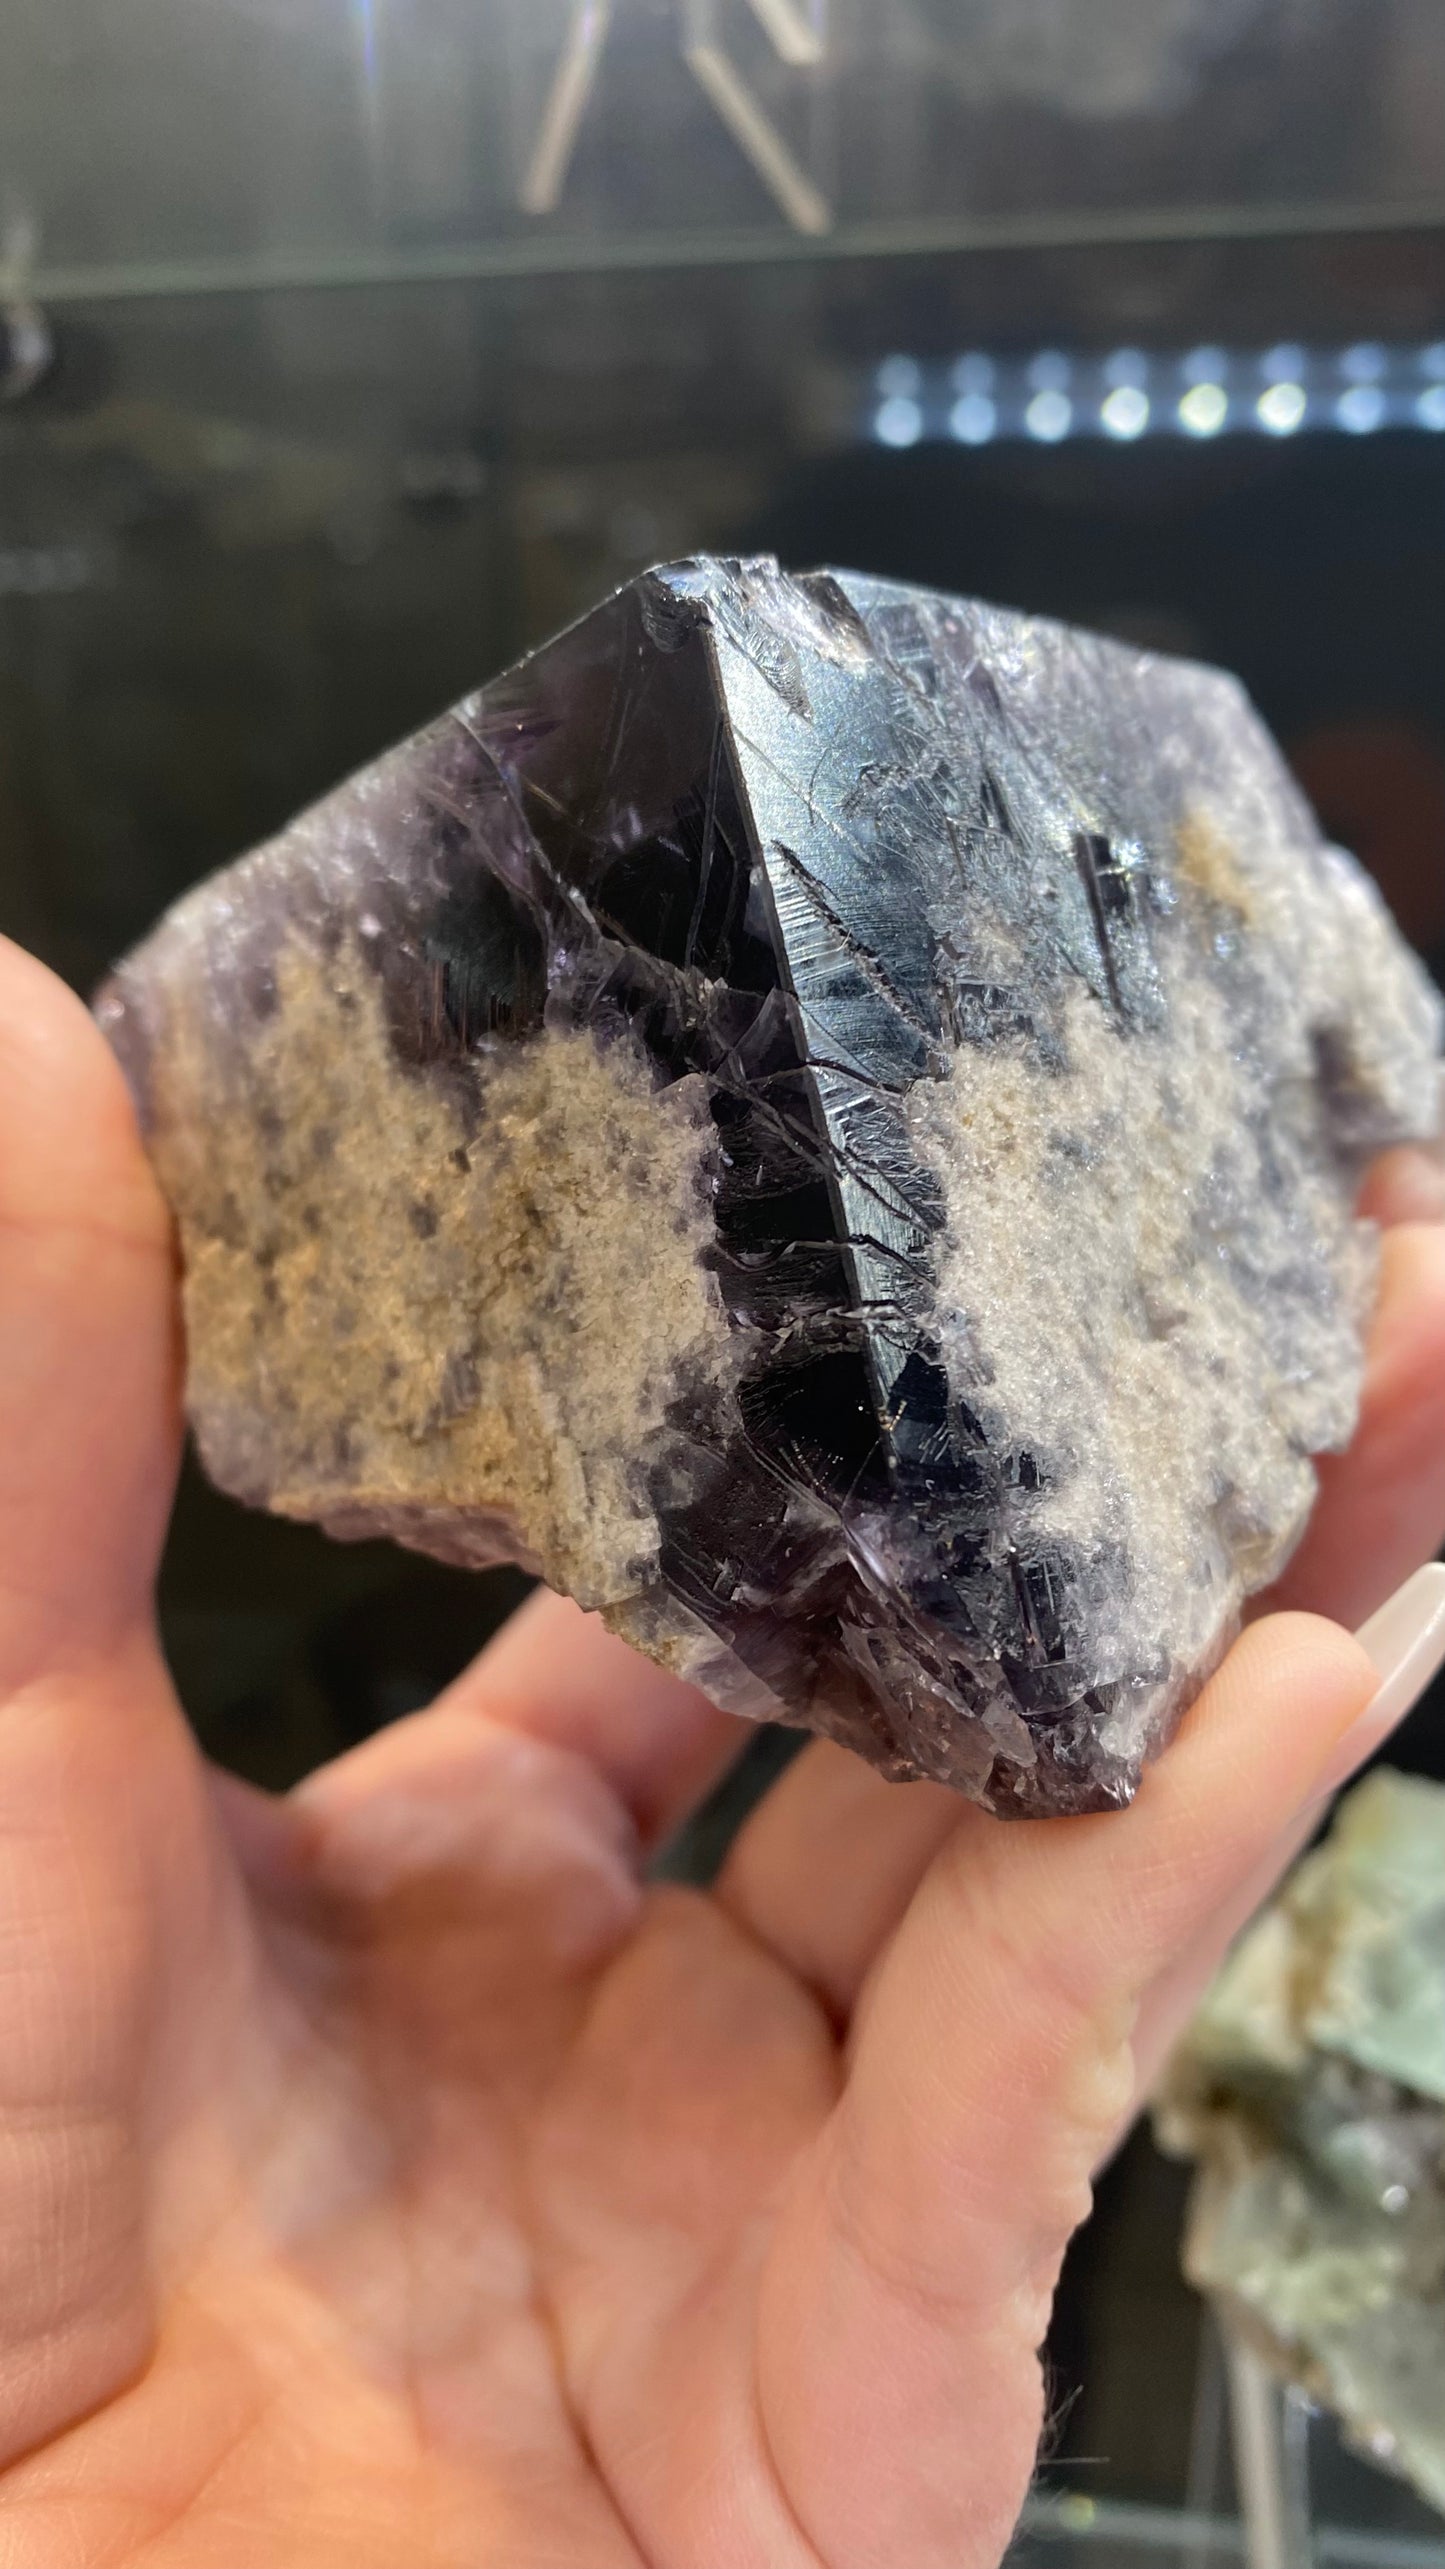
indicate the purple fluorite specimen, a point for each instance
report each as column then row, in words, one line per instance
column 826, row 1118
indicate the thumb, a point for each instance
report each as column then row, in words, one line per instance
column 89, row 1363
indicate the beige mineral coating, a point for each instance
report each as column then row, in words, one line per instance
column 1082, row 1296
column 437, row 1323
column 1072, row 1293
column 1208, row 862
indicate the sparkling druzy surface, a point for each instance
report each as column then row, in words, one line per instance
column 1312, row 2090
column 823, row 1116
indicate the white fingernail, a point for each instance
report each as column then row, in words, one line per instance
column 1406, row 1641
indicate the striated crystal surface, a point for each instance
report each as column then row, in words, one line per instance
column 824, row 1117
column 1312, row 2090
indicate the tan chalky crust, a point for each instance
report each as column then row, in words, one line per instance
column 447, row 1320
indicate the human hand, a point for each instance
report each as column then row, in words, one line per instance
column 388, row 2176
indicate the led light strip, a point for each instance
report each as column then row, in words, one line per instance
column 1127, row 394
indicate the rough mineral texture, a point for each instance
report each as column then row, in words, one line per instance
column 1312, row 2088
column 825, row 1118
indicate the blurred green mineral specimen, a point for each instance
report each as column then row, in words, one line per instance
column 1311, row 2089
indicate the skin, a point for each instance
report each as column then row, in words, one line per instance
column 388, row 2175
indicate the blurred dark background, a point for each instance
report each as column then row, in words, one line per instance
column 345, row 351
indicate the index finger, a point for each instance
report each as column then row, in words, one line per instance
column 557, row 1674
column 910, row 2285
column 1381, row 1506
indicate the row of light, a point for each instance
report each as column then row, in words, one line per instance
column 1127, row 393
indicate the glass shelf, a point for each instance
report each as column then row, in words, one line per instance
column 1270, row 2485
column 1075, row 2532
column 148, row 147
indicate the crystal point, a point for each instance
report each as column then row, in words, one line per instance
column 824, row 1117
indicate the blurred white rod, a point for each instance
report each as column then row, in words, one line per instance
column 19, row 250
column 793, row 40
column 759, row 140
column 566, row 106
column 1254, row 2416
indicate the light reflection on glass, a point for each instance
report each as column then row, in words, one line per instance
column 1281, row 408
column 1125, row 413
column 973, row 419
column 1361, row 409
column 1049, row 416
column 898, row 421
column 1128, row 393
column 363, row 14
column 1204, row 409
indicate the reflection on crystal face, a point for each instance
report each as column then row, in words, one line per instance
column 825, row 1116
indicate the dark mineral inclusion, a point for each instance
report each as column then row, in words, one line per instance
column 824, row 1117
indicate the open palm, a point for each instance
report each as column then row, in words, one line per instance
column 388, row 2175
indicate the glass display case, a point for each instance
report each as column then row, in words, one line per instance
column 347, row 347
column 156, row 148
column 1269, row 2486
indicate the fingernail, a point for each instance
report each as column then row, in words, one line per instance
column 1406, row 1641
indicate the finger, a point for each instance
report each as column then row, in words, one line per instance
column 556, row 1674
column 1381, row 1508
column 826, row 1866
column 89, row 1403
column 1379, row 1523
column 1407, row 1185
column 1405, row 1642
column 909, row 2285
column 1170, row 2001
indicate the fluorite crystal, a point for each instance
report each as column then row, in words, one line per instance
column 825, row 1118
column 1312, row 2087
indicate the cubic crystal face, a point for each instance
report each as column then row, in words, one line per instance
column 823, row 1116
column 1312, row 2090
